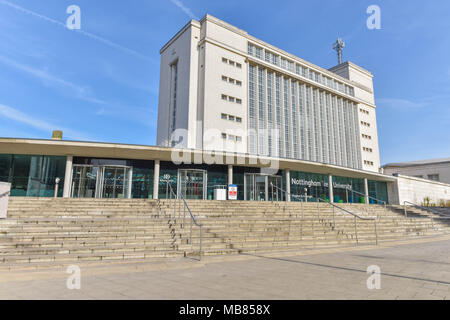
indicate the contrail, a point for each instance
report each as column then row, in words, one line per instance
column 185, row 9
column 87, row 34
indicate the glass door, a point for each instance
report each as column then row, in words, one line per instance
column 260, row 187
column 274, row 193
column 101, row 181
column 192, row 184
column 249, row 186
column 115, row 182
column 257, row 187
column 84, row 181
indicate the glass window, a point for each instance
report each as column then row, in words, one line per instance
column 34, row 175
column 434, row 177
column 5, row 167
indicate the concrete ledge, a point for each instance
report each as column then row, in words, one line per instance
column 5, row 189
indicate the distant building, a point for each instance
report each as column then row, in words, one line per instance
column 434, row 169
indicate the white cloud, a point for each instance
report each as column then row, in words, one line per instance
column 185, row 9
column 18, row 116
column 81, row 92
column 400, row 103
column 85, row 33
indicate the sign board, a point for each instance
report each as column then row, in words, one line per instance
column 232, row 192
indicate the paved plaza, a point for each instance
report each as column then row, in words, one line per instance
column 417, row 269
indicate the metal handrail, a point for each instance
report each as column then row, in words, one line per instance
column 442, row 215
column 192, row 220
column 4, row 194
column 347, row 211
column 362, row 194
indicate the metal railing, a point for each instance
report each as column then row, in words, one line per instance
column 441, row 215
column 173, row 204
column 356, row 216
column 4, row 194
column 362, row 194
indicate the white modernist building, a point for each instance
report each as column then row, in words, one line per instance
column 224, row 90
column 434, row 169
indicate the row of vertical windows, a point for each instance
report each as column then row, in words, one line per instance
column 313, row 125
column 231, row 99
column 232, row 63
column 261, row 112
column 225, row 116
column 270, row 111
column 231, row 137
column 231, row 80
column 252, row 110
column 303, row 71
column 174, row 85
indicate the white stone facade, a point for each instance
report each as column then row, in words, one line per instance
column 415, row 190
column 4, row 197
column 232, row 92
column 438, row 170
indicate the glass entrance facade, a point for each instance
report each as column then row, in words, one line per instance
column 32, row 175
column 258, row 187
column 192, row 183
column 112, row 178
column 90, row 181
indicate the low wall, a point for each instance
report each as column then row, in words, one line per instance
column 4, row 197
column 414, row 190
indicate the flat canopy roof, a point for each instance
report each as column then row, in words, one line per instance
column 142, row 152
column 417, row 163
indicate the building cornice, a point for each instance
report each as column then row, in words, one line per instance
column 192, row 23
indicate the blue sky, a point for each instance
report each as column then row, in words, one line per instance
column 102, row 83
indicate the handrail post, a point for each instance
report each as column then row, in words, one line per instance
column 334, row 220
column 318, row 209
column 174, row 207
column 376, row 232
column 190, row 236
column 201, row 238
column 271, row 184
column 406, row 213
column 356, row 231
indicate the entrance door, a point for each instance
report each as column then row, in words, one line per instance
column 84, row 181
column 192, row 183
column 115, row 182
column 274, row 193
column 101, row 181
column 258, row 188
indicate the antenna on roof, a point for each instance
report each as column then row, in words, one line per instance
column 338, row 46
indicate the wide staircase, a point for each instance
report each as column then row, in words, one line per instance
column 43, row 232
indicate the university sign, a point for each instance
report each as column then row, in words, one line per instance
column 312, row 183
